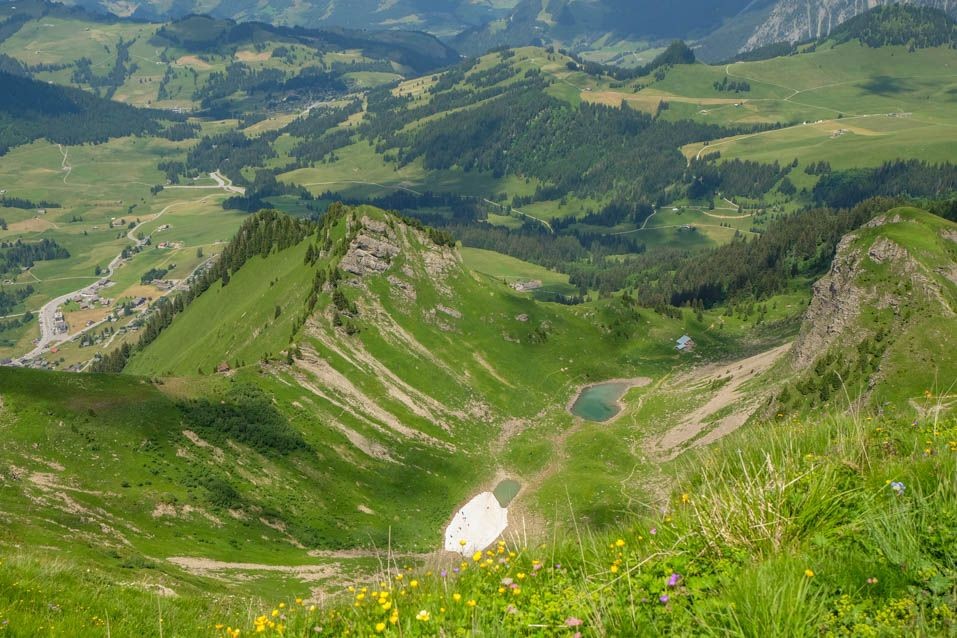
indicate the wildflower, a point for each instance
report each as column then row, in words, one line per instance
column 571, row 621
column 423, row 615
column 664, row 598
column 443, row 573
column 898, row 488
column 809, row 573
column 653, row 531
column 477, row 556
column 312, row 609
column 614, row 569
column 620, row 542
column 872, row 581
column 282, row 605
column 275, row 612
column 462, row 542
column 219, row 626
column 456, row 597
column 685, row 498
column 299, row 601
column 673, row 579
column 471, row 602
column 413, row 584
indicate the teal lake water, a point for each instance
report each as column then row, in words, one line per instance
column 506, row 490
column 599, row 402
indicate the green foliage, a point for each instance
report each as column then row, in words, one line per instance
column 899, row 25
column 30, row 110
column 20, row 254
column 246, row 415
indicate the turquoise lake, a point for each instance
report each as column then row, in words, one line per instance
column 599, row 402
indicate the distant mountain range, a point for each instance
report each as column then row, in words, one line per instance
column 720, row 28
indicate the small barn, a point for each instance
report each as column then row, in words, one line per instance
column 685, row 344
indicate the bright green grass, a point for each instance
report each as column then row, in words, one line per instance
column 510, row 270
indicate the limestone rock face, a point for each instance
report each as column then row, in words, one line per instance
column 797, row 20
column 840, row 296
column 372, row 250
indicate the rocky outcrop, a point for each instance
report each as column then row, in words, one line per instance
column 792, row 21
column 372, row 249
column 839, row 297
column 835, row 305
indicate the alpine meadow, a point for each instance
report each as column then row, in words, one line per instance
column 544, row 318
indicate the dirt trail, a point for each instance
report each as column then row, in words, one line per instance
column 695, row 429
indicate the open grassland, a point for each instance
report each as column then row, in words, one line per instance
column 511, row 270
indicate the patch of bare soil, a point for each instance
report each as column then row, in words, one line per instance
column 216, row 569
column 696, row 429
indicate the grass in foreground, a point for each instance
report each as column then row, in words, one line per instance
column 843, row 527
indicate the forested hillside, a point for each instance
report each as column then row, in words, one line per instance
column 30, row 110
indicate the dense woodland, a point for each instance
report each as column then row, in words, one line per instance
column 30, row 110
column 17, row 255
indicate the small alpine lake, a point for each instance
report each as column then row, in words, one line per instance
column 600, row 402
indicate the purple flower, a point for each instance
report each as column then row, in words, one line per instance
column 455, row 570
column 653, row 531
column 898, row 488
column 664, row 599
column 673, row 579
column 443, row 573
column 571, row 621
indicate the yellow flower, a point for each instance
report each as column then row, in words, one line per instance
column 299, row 601
column 282, row 605
column 477, row 556
column 219, row 625
column 312, row 608
column 456, row 597
column 463, row 542
column 379, row 627
column 386, row 606
column 423, row 615
column 516, row 591
column 394, row 618
column 471, row 603
column 685, row 498
column 413, row 584
column 620, row 542
column 275, row 613
column 399, row 576
column 809, row 573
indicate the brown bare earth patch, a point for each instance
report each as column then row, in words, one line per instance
column 32, row 225
column 219, row 569
column 696, row 430
column 78, row 320
column 193, row 61
column 252, row 56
